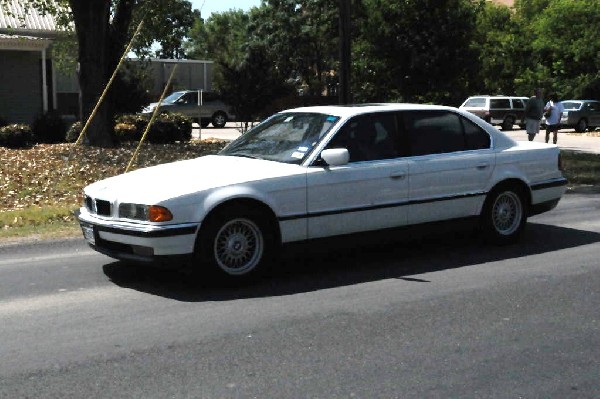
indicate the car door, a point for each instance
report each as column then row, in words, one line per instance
column 594, row 113
column 188, row 104
column 450, row 165
column 368, row 193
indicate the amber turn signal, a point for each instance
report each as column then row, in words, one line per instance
column 159, row 214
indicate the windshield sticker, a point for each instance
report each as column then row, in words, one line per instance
column 303, row 149
column 331, row 119
column 297, row 155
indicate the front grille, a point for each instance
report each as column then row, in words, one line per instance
column 102, row 207
column 89, row 203
column 99, row 207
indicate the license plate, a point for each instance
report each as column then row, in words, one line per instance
column 88, row 233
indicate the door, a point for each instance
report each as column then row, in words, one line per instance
column 451, row 165
column 368, row 193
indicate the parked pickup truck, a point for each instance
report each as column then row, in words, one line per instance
column 213, row 109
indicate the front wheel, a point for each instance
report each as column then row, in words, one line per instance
column 508, row 123
column 235, row 243
column 504, row 215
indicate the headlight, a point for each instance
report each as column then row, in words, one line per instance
column 152, row 213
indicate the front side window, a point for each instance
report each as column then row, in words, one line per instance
column 368, row 137
column 286, row 137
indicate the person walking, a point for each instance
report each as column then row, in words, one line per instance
column 534, row 109
column 553, row 111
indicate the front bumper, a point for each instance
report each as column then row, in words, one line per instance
column 138, row 242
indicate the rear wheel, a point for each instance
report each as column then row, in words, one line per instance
column 219, row 119
column 504, row 214
column 236, row 242
column 581, row 126
column 508, row 123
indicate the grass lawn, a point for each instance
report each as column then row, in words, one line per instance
column 41, row 187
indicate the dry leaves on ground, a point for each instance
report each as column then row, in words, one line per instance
column 55, row 174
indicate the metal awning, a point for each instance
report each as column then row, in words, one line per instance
column 23, row 43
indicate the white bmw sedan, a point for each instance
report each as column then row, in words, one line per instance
column 317, row 172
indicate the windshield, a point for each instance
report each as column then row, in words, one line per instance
column 286, row 137
column 171, row 98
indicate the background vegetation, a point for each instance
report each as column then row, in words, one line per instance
column 430, row 51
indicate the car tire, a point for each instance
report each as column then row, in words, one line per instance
column 236, row 243
column 581, row 126
column 219, row 119
column 504, row 214
column 204, row 123
column 508, row 123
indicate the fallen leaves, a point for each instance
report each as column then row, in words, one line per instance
column 55, row 174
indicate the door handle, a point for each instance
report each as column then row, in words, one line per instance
column 398, row 175
column 483, row 166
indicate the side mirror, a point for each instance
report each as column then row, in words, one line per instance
column 336, row 156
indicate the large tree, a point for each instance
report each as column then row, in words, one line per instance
column 103, row 29
column 414, row 50
column 301, row 39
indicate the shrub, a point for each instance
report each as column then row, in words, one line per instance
column 16, row 136
column 73, row 132
column 49, row 128
column 3, row 122
column 167, row 128
column 127, row 132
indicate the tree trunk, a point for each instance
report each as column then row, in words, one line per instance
column 92, row 26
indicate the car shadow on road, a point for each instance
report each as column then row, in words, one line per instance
column 353, row 260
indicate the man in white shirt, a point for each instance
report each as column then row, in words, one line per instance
column 553, row 119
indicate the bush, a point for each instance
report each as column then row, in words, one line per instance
column 49, row 128
column 16, row 136
column 167, row 128
column 3, row 122
column 73, row 132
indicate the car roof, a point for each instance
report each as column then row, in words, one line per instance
column 498, row 96
column 357, row 109
column 581, row 101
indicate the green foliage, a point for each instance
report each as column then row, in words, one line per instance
column 167, row 128
column 130, row 88
column 417, row 51
column 221, row 38
column 166, row 23
column 16, row 136
column 300, row 38
column 73, row 132
column 49, row 128
column 566, row 45
column 250, row 87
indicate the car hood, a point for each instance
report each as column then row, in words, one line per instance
column 160, row 183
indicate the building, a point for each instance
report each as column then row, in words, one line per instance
column 28, row 81
column 31, row 86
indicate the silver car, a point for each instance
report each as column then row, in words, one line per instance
column 211, row 109
column 580, row 115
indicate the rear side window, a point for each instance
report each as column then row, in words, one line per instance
column 438, row 132
column 475, row 102
column 518, row 103
column 499, row 103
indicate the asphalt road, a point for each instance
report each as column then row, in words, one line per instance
column 437, row 317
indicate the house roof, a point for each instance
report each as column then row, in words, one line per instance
column 18, row 18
